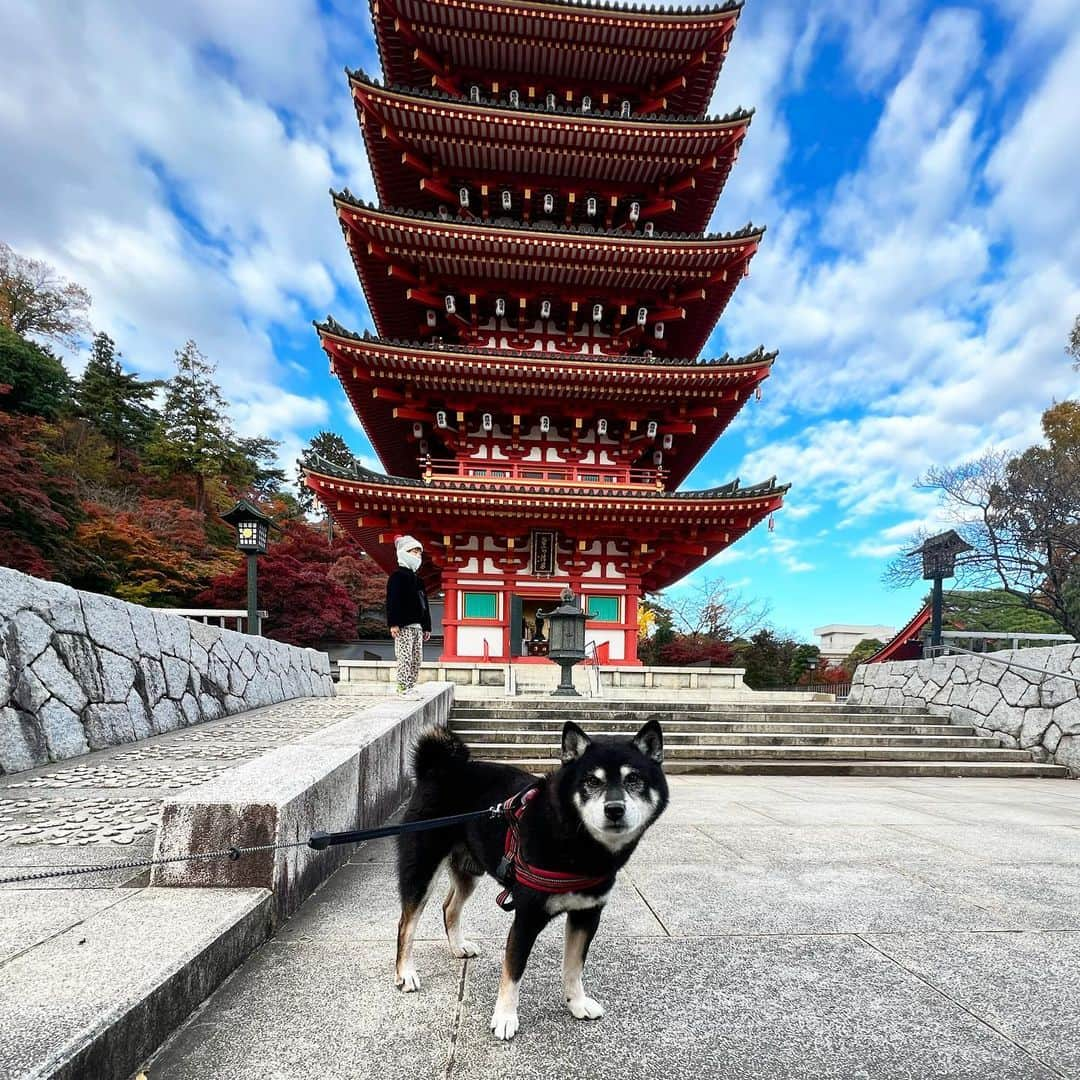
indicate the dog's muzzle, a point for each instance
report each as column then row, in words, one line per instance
column 615, row 812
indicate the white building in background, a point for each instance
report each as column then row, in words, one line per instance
column 838, row 639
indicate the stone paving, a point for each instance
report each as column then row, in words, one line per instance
column 104, row 806
column 800, row 928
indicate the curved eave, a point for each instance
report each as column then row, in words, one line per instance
column 391, row 247
column 478, row 498
column 682, row 531
column 407, row 356
column 611, row 46
column 600, row 154
column 901, row 638
column 713, row 392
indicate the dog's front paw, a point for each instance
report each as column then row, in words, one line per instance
column 504, row 1024
column 464, row 949
column 585, row 1008
column 408, row 980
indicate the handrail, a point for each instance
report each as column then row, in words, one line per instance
column 595, row 663
column 204, row 615
column 546, row 472
column 1004, row 635
column 994, row 658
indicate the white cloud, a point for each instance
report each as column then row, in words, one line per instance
column 935, row 330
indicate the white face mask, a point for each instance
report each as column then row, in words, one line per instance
column 409, row 561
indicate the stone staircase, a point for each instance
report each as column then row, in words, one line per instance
column 820, row 738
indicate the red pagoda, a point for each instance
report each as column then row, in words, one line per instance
column 541, row 285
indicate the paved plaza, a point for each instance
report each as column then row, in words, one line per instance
column 805, row 927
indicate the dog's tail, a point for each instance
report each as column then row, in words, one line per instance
column 438, row 750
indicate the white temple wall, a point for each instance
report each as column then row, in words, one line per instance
column 614, row 639
column 471, row 640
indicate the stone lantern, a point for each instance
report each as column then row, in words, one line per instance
column 939, row 562
column 566, row 640
column 252, row 534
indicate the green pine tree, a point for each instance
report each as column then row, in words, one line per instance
column 39, row 384
column 327, row 445
column 194, row 437
column 114, row 401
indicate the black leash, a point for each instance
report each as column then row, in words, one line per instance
column 319, row 841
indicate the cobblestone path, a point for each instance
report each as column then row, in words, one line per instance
column 103, row 807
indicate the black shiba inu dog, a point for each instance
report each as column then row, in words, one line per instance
column 558, row 849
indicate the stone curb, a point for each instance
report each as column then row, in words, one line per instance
column 350, row 775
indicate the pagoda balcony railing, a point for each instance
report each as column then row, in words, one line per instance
column 498, row 472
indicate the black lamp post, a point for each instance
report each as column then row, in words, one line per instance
column 252, row 532
column 939, row 562
column 566, row 640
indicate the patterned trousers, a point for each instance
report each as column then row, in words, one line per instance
column 409, row 650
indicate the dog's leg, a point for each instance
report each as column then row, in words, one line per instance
column 580, row 928
column 412, row 907
column 527, row 925
column 462, row 885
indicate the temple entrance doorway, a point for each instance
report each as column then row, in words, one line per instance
column 528, row 628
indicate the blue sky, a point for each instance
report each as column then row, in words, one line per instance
column 916, row 165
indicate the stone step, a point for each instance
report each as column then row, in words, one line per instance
column 513, row 751
column 628, row 718
column 552, row 728
column 825, row 766
column 554, row 706
column 93, row 996
column 678, row 740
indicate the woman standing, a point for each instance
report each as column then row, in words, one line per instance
column 407, row 612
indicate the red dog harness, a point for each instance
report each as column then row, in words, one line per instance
column 514, row 868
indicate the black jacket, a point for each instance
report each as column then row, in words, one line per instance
column 406, row 601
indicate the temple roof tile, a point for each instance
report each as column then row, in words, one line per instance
column 607, row 115
column 757, row 356
column 357, row 473
column 748, row 231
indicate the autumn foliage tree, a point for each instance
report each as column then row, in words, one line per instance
column 305, row 605
column 154, row 553
column 38, row 507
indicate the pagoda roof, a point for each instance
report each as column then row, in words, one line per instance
column 593, row 362
column 609, row 45
column 410, row 134
column 380, row 376
column 403, row 255
column 683, row 529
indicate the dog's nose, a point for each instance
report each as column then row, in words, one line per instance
column 614, row 811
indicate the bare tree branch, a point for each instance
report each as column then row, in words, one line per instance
column 713, row 608
column 36, row 301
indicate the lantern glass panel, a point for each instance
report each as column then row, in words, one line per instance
column 247, row 535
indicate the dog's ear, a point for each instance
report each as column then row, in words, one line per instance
column 650, row 741
column 574, row 742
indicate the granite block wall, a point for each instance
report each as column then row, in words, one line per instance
column 1031, row 710
column 80, row 672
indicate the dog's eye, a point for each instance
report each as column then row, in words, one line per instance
column 593, row 783
column 633, row 782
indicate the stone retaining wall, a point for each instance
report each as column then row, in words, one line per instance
column 80, row 672
column 1030, row 710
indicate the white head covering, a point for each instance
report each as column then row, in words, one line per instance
column 404, row 544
